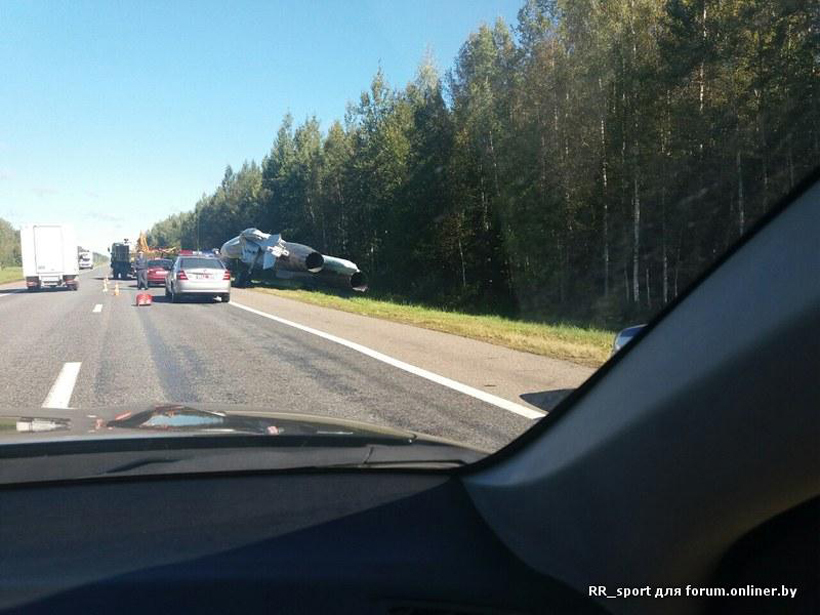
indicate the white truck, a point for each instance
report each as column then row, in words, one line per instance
column 85, row 258
column 49, row 256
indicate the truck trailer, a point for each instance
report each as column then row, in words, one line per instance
column 49, row 254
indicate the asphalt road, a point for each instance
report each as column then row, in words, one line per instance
column 203, row 351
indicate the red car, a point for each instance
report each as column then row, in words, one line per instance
column 158, row 268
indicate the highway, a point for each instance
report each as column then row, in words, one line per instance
column 92, row 351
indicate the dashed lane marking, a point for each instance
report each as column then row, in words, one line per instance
column 60, row 394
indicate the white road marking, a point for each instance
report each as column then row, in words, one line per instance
column 60, row 394
column 97, row 308
column 417, row 371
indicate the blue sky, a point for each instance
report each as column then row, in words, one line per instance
column 115, row 114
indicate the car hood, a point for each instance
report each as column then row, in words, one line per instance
column 178, row 439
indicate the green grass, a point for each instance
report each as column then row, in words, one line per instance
column 585, row 346
column 11, row 274
column 8, row 424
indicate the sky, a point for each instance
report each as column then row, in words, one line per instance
column 114, row 115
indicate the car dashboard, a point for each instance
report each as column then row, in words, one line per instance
column 292, row 542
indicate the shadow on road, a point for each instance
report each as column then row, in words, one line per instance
column 9, row 291
column 133, row 287
column 546, row 400
column 161, row 298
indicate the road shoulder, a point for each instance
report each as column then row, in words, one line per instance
column 517, row 376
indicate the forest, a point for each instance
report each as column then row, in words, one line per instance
column 584, row 164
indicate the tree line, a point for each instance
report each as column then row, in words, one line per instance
column 585, row 164
column 9, row 245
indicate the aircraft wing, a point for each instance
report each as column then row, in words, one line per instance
column 254, row 248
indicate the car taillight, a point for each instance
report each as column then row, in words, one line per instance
column 226, row 275
column 181, row 275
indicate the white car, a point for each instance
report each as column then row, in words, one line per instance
column 198, row 275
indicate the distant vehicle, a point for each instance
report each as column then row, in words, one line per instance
column 625, row 336
column 158, row 269
column 121, row 266
column 198, row 275
column 49, row 254
column 85, row 258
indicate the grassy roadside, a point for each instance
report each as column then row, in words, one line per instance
column 11, row 274
column 589, row 347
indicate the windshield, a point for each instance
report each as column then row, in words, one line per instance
column 438, row 218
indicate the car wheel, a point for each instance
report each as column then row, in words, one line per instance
column 226, row 297
column 167, row 292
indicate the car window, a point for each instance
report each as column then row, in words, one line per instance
column 200, row 263
column 164, row 263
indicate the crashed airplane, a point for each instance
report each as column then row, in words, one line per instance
column 254, row 250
